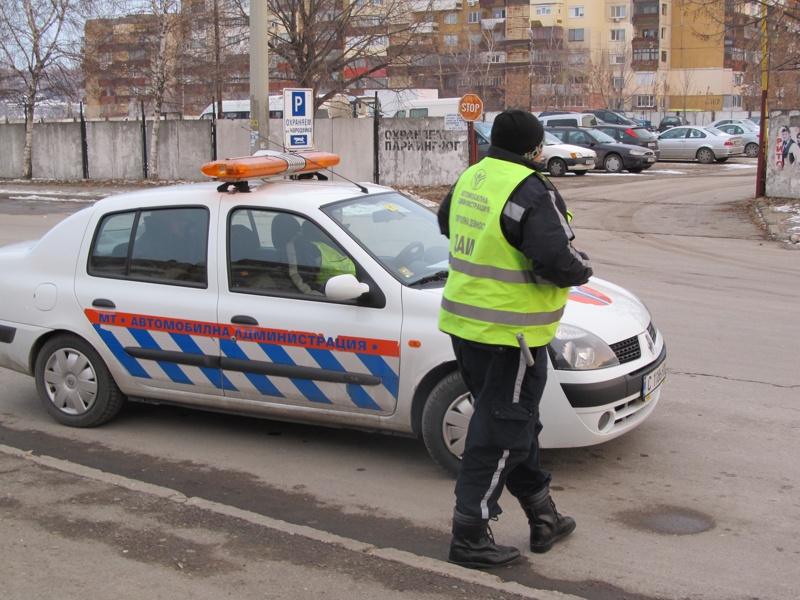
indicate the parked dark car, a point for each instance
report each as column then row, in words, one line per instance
column 611, row 154
column 636, row 135
column 671, row 121
column 611, row 117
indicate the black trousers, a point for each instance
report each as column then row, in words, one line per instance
column 502, row 445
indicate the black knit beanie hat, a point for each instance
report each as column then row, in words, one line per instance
column 517, row 131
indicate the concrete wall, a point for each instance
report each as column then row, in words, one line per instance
column 413, row 152
column 783, row 156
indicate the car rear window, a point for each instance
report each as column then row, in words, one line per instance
column 643, row 133
column 588, row 121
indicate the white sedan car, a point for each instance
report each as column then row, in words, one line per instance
column 302, row 300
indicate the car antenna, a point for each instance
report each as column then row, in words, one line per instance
column 363, row 189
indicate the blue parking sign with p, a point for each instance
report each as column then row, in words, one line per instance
column 299, row 104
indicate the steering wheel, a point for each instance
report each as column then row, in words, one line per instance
column 413, row 251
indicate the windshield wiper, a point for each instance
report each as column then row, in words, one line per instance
column 438, row 276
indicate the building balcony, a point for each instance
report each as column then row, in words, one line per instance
column 426, row 28
column 423, row 6
column 645, row 65
column 639, row 43
column 492, row 23
column 646, row 20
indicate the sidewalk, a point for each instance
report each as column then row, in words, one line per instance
column 71, row 532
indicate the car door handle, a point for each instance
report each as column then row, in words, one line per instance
column 243, row 320
column 103, row 303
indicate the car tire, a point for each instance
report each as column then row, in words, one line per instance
column 445, row 419
column 751, row 150
column 705, row 156
column 557, row 167
column 612, row 163
column 74, row 383
column 581, row 172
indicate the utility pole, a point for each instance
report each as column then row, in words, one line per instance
column 259, row 76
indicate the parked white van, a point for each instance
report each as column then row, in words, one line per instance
column 569, row 120
column 434, row 107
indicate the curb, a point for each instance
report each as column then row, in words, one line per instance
column 775, row 226
column 407, row 559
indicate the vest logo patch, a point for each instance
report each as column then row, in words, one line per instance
column 463, row 245
column 478, row 179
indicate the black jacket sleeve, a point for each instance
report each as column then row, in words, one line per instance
column 535, row 222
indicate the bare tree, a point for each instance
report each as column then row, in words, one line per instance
column 37, row 43
column 610, row 75
column 330, row 45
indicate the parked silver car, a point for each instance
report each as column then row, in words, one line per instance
column 705, row 144
column 750, row 136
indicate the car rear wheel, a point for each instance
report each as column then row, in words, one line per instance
column 445, row 419
column 705, row 156
column 612, row 163
column 557, row 167
column 74, row 383
column 751, row 150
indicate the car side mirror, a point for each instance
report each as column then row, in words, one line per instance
column 345, row 287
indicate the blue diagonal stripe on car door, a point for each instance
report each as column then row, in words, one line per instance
column 131, row 364
column 261, row 382
column 306, row 387
column 215, row 376
column 172, row 370
column 380, row 368
column 358, row 395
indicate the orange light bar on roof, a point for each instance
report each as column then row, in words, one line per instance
column 251, row 167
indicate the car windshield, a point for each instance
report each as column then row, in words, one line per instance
column 550, row 139
column 402, row 235
column 601, row 137
column 484, row 128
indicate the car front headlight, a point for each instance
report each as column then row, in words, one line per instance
column 575, row 349
column 638, row 152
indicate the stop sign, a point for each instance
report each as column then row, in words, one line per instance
column 470, row 107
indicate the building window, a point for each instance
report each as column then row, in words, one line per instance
column 664, row 56
column 575, row 35
column 451, row 18
column 475, row 39
column 617, row 35
column 451, row 40
column 738, row 78
column 498, row 13
column 644, row 101
column 650, row 33
column 645, row 78
column 663, row 33
column 496, row 57
column 617, row 83
column 646, row 8
column 474, row 17
column 736, row 101
column 617, row 59
column 575, row 12
column 664, row 9
column 645, row 54
column 544, row 9
column 619, row 12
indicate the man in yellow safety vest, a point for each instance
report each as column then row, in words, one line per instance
column 511, row 266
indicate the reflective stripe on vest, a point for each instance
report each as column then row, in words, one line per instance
column 490, row 295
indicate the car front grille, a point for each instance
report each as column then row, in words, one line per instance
column 627, row 350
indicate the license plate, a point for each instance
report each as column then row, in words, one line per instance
column 653, row 379
column 589, row 161
column 651, row 144
column 651, row 159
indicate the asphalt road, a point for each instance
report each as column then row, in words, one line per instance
column 700, row 502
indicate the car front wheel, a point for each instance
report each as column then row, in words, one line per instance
column 557, row 167
column 74, row 383
column 751, row 150
column 705, row 156
column 612, row 163
column 445, row 420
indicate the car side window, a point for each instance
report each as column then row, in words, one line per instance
column 277, row 252
column 160, row 246
column 672, row 134
column 579, row 138
column 696, row 133
column 560, row 134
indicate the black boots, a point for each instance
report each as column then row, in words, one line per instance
column 547, row 526
column 473, row 545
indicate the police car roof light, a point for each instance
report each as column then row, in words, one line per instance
column 249, row 167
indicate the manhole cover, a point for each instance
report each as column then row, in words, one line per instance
column 670, row 520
